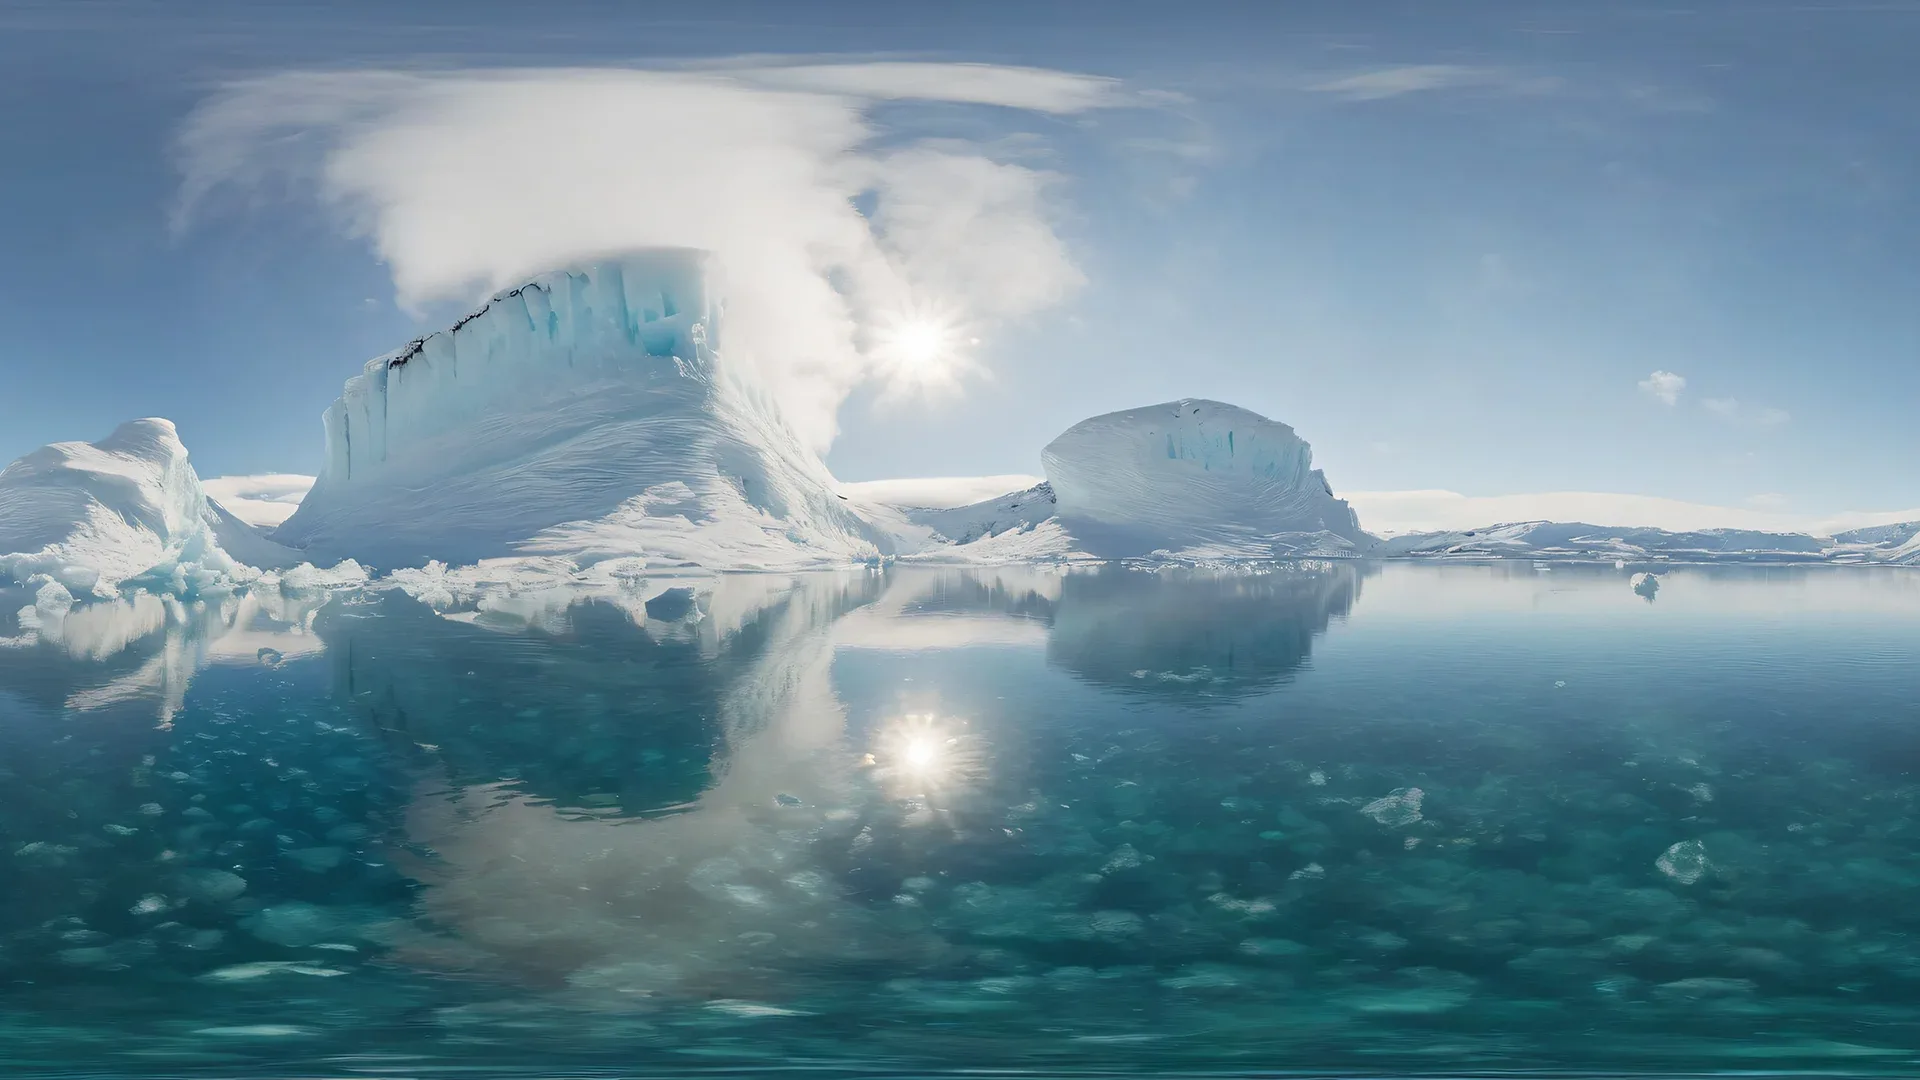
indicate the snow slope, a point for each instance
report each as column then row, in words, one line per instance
column 588, row 415
column 93, row 516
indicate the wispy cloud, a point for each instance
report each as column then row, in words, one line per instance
column 469, row 181
column 1664, row 387
column 1755, row 415
column 1391, row 82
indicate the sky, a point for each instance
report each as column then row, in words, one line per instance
column 1471, row 252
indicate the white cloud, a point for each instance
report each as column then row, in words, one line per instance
column 1757, row 415
column 1664, row 387
column 938, row 491
column 265, row 499
column 1768, row 501
column 466, row 182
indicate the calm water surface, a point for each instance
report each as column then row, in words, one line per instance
column 1319, row 820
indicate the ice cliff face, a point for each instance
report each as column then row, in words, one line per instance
column 589, row 414
column 94, row 516
column 1196, row 476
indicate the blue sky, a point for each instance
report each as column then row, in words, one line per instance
column 1447, row 242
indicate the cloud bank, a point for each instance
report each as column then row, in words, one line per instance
column 264, row 499
column 826, row 225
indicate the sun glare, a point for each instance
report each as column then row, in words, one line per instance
column 921, row 348
column 926, row 754
column 922, row 342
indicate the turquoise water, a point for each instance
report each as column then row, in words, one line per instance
column 1316, row 820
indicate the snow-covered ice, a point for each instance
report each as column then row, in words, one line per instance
column 93, row 516
column 589, row 414
column 1191, row 480
column 592, row 418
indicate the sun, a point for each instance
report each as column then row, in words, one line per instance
column 919, row 349
column 922, row 342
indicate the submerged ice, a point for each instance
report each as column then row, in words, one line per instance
column 600, row 830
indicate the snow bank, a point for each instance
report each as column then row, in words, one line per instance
column 587, row 415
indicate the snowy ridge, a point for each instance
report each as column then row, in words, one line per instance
column 1577, row 541
column 588, row 414
column 129, row 508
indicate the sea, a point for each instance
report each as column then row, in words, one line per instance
column 1332, row 819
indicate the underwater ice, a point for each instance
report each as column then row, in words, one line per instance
column 610, row 827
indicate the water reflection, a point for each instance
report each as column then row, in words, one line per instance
column 140, row 653
column 950, row 815
column 1182, row 633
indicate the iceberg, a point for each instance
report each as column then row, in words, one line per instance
column 589, row 414
column 94, row 516
column 1188, row 480
column 1197, row 475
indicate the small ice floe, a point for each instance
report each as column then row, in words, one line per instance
column 750, row 1010
column 1685, row 862
column 1317, row 778
column 255, row 1031
column 262, row 969
column 1124, row 857
column 1313, row 871
column 1398, row 809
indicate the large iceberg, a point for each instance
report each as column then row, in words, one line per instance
column 95, row 516
column 1190, row 480
column 1196, row 474
column 588, row 415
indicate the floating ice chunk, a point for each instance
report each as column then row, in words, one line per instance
column 1317, row 778
column 1396, row 810
column 255, row 1031
column 1124, row 857
column 1203, row 977
column 1685, row 862
column 1646, row 585
column 293, row 924
column 264, row 968
column 750, row 1009
column 1313, row 871
column 1251, row 908
column 212, row 886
